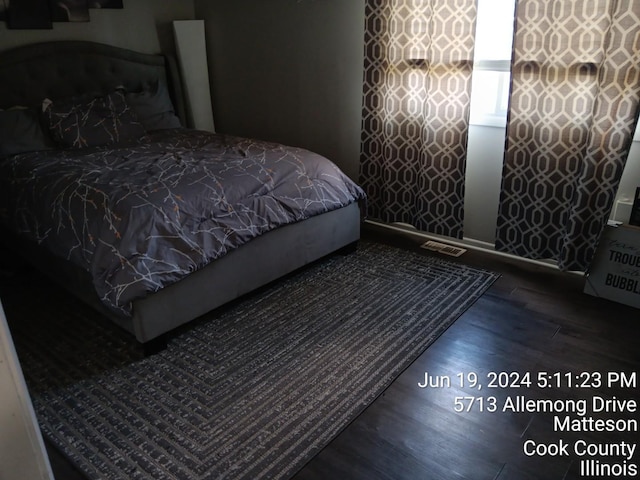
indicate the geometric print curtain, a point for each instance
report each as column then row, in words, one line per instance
column 573, row 111
column 417, row 88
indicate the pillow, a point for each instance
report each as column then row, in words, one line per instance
column 21, row 131
column 153, row 107
column 80, row 122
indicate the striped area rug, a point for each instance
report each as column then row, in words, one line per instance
column 251, row 391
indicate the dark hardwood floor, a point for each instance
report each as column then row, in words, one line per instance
column 533, row 319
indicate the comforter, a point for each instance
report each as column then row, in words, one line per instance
column 143, row 216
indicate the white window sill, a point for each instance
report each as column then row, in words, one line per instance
column 488, row 121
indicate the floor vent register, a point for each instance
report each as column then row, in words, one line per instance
column 443, row 248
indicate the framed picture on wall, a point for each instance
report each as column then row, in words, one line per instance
column 35, row 14
column 28, row 14
column 70, row 10
column 105, row 3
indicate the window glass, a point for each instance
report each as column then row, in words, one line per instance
column 492, row 62
column 494, row 29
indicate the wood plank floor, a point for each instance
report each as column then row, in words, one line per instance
column 533, row 319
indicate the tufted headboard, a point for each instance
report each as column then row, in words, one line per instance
column 30, row 73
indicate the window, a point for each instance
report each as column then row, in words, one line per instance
column 492, row 62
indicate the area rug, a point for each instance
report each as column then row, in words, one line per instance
column 251, row 391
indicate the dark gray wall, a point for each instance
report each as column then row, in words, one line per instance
column 288, row 71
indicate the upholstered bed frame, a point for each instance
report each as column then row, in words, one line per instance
column 62, row 69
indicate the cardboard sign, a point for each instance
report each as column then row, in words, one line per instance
column 615, row 271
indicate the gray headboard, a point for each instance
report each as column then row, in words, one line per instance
column 30, row 73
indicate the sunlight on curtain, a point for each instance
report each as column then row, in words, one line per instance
column 573, row 109
column 418, row 65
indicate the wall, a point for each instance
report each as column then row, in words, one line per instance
column 142, row 25
column 631, row 177
column 483, row 180
column 288, row 71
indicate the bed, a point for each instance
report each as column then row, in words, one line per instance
column 105, row 188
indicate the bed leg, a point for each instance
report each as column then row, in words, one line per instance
column 349, row 249
column 154, row 346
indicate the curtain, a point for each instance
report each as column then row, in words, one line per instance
column 417, row 86
column 573, row 109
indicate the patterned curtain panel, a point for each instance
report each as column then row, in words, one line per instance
column 574, row 105
column 417, row 85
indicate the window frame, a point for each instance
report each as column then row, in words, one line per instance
column 492, row 57
column 498, row 117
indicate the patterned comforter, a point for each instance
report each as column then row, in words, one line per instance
column 143, row 216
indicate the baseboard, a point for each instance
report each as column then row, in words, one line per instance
column 469, row 243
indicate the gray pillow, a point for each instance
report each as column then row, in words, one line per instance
column 154, row 108
column 21, row 131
